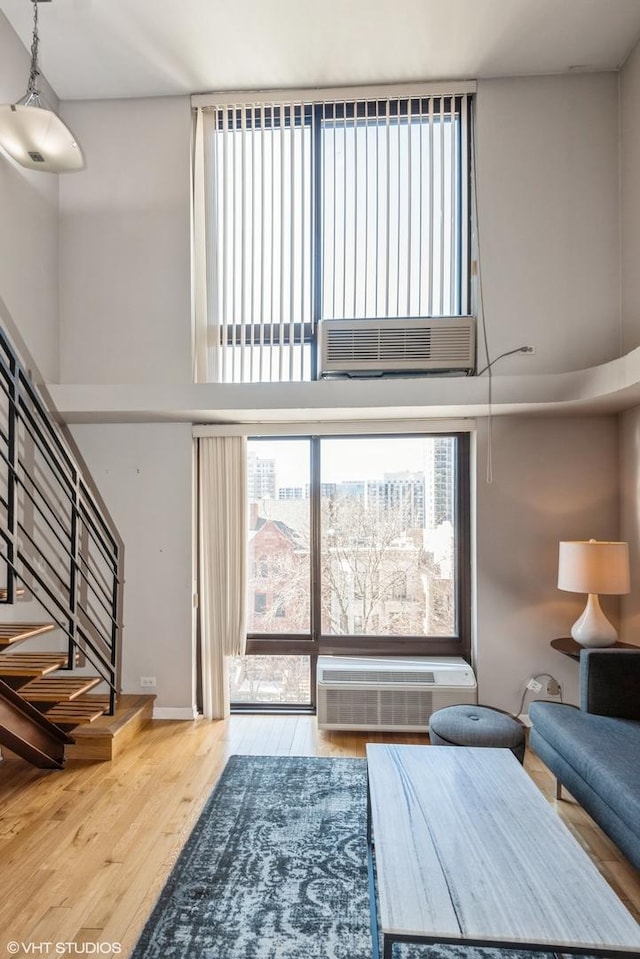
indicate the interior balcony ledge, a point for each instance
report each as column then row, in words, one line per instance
column 608, row 388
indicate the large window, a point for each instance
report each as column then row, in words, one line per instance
column 331, row 209
column 356, row 545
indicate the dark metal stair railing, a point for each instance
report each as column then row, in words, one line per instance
column 56, row 538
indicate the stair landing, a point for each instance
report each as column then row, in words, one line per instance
column 107, row 736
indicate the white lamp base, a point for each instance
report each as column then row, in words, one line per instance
column 593, row 628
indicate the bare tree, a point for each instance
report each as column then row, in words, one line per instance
column 282, row 577
column 377, row 577
column 276, row 679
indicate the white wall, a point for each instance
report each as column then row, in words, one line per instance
column 630, row 196
column 548, row 219
column 28, row 228
column 144, row 473
column 630, row 421
column 554, row 479
column 125, row 244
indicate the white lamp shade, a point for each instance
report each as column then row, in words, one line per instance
column 37, row 138
column 594, row 566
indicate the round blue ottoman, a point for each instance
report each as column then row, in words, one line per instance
column 477, row 726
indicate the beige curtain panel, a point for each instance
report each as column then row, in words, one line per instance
column 222, row 547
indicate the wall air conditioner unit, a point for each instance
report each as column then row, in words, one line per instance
column 427, row 344
column 390, row 694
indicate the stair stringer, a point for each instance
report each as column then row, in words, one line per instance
column 28, row 733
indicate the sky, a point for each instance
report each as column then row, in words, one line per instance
column 344, row 458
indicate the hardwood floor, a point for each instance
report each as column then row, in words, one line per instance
column 84, row 852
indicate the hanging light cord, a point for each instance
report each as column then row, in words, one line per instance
column 485, row 336
column 519, row 349
column 33, row 86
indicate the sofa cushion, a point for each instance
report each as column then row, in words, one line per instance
column 603, row 750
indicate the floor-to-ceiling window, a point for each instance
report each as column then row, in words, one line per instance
column 357, row 545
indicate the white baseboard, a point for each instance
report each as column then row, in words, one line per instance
column 187, row 713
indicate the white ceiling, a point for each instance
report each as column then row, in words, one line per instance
column 130, row 48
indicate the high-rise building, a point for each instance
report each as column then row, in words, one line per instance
column 261, row 477
column 291, row 492
column 442, row 486
column 400, row 491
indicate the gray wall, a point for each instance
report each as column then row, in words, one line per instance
column 144, row 473
column 125, row 244
column 630, row 421
column 547, row 172
column 554, row 478
column 28, row 228
column 630, row 198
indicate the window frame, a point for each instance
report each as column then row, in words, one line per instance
column 316, row 643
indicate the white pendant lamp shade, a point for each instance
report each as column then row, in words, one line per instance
column 32, row 134
column 37, row 138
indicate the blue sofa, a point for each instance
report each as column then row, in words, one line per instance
column 594, row 750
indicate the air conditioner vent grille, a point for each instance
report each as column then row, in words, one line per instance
column 378, row 677
column 372, row 708
column 397, row 344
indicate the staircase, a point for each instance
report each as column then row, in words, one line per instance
column 61, row 554
column 38, row 703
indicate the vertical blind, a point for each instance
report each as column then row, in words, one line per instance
column 325, row 208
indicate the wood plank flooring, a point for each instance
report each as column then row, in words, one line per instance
column 85, row 852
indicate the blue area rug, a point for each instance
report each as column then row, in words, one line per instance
column 275, row 868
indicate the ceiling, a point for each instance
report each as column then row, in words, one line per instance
column 132, row 48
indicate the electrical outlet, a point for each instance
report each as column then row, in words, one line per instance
column 553, row 687
column 147, row 682
column 534, row 685
column 529, row 350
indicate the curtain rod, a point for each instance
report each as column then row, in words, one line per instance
column 328, row 94
column 342, row 428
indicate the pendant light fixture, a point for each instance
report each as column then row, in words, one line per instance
column 31, row 132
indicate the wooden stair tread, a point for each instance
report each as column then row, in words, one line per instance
column 31, row 664
column 57, row 689
column 16, row 632
column 78, row 711
column 18, row 592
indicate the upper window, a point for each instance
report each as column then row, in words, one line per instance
column 339, row 209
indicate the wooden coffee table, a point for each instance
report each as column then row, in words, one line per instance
column 464, row 849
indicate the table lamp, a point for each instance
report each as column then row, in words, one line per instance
column 594, row 567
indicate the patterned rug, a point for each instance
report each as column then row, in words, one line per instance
column 275, row 868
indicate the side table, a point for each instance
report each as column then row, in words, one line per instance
column 570, row 648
